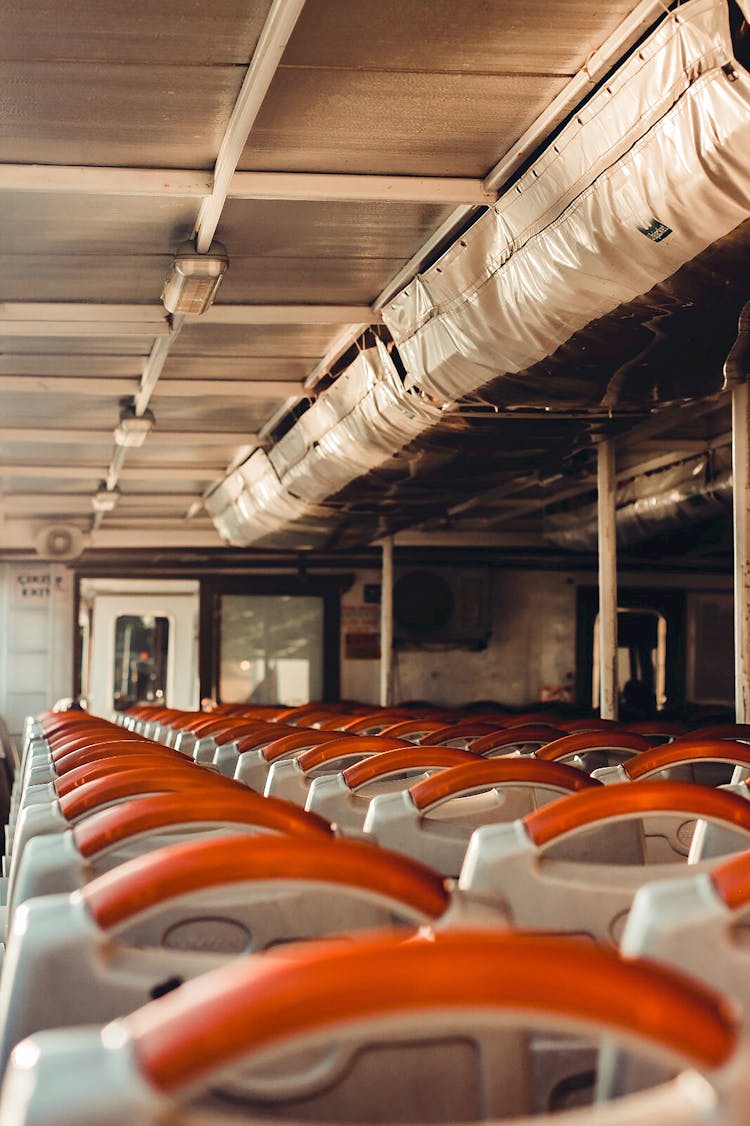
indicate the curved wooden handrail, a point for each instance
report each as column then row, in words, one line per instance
column 105, row 739
column 384, row 765
column 261, row 736
column 609, row 803
column 102, row 751
column 719, row 731
column 687, row 752
column 656, row 727
column 406, row 727
column 103, row 768
column 94, row 732
column 473, row 777
column 582, row 741
column 515, row 737
column 110, row 827
column 589, row 723
column 293, row 742
column 133, row 783
column 467, row 729
column 119, row 896
column 346, row 747
column 247, row 1006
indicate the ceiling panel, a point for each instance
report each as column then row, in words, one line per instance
column 136, row 116
column 289, row 229
column 68, row 355
column 93, row 277
column 38, row 222
column 251, row 340
column 238, row 367
column 309, row 280
column 326, row 120
column 50, row 409
column 224, row 31
column 99, row 449
column 478, row 36
column 214, row 412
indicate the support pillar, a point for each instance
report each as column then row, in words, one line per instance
column 606, row 498
column 741, row 495
column 386, row 624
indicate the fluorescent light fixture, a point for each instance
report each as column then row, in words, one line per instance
column 193, row 278
column 104, row 499
column 132, row 429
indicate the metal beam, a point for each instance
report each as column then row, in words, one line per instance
column 155, row 365
column 339, row 188
column 277, row 29
column 606, row 498
column 50, row 318
column 196, row 472
column 82, row 329
column 66, row 385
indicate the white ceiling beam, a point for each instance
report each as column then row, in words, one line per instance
column 312, row 187
column 83, row 180
column 83, row 329
column 345, row 187
column 127, row 473
column 57, row 504
column 169, row 388
column 52, row 436
column 277, row 29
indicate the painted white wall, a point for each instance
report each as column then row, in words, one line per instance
column 36, row 638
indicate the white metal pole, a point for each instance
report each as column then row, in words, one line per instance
column 607, row 581
column 386, row 624
column 741, row 476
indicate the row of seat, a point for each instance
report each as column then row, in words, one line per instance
column 164, row 871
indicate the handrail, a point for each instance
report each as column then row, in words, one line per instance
column 582, row 741
column 384, row 765
column 345, row 747
column 471, row 778
column 516, row 736
column 110, row 827
column 205, row 1026
column 685, row 753
column 580, row 811
column 138, row 885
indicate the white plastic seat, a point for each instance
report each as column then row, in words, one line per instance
column 433, row 820
column 382, row 1031
column 344, row 797
column 291, row 777
column 169, row 916
column 101, row 841
column 575, row 865
column 251, row 764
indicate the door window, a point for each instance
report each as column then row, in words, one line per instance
column 140, row 661
column 271, row 649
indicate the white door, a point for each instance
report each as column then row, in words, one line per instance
column 143, row 649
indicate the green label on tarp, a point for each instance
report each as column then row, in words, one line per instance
column 654, row 229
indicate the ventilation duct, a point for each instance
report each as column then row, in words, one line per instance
column 687, row 493
column 356, row 426
column 648, row 174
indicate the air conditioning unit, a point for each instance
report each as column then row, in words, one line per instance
column 59, row 541
column 445, row 605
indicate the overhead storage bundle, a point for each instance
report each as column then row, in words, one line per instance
column 355, row 426
column 662, row 501
column 650, row 172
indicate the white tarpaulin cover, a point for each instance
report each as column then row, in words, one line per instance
column 647, row 175
column 355, row 426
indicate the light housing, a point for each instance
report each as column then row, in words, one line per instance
column 193, row 279
column 133, row 429
column 104, row 499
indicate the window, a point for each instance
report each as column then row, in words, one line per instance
column 140, row 664
column 271, row 649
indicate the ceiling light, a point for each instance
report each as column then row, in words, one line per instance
column 132, row 429
column 194, row 278
column 104, row 499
